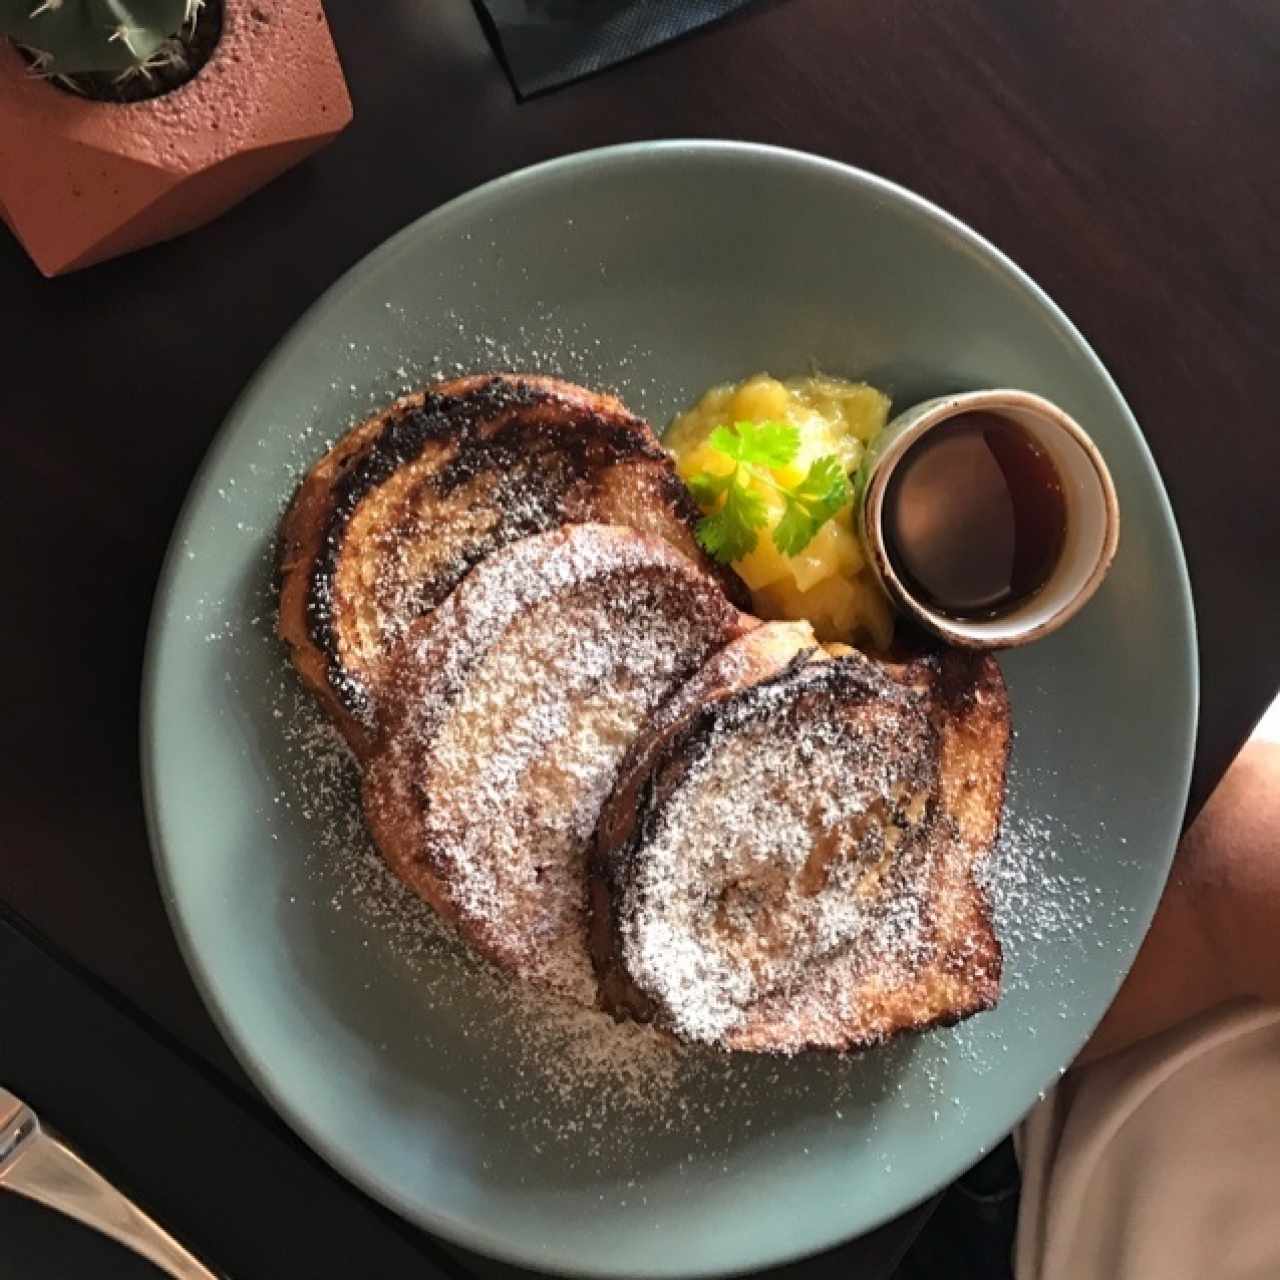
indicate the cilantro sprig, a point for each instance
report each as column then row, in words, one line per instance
column 734, row 508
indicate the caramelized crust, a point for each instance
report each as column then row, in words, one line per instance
column 514, row 704
column 391, row 519
column 794, row 866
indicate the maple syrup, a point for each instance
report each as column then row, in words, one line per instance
column 975, row 516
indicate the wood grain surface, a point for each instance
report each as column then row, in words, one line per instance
column 1121, row 151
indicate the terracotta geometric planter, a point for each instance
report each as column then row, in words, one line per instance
column 81, row 181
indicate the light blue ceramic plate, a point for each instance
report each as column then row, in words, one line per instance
column 656, row 269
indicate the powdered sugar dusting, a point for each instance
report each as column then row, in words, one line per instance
column 563, row 1048
column 577, row 1095
column 795, row 830
column 510, row 713
column 566, row 1083
column 435, row 484
column 565, row 1078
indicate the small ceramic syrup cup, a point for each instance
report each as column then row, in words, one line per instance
column 1092, row 516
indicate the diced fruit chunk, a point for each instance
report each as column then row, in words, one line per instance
column 828, row 581
column 760, row 399
column 764, row 565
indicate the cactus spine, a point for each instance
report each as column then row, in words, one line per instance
column 65, row 38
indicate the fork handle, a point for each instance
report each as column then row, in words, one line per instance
column 47, row 1171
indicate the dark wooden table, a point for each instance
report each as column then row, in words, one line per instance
column 1122, row 151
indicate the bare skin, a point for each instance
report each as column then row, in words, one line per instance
column 1216, row 933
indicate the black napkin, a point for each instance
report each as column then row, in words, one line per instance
column 545, row 43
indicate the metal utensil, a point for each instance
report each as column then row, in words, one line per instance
column 37, row 1165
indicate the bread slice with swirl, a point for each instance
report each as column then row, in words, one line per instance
column 392, row 518
column 795, row 865
column 507, row 713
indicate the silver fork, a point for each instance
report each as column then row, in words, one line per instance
column 37, row 1165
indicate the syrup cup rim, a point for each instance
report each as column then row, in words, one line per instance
column 1093, row 516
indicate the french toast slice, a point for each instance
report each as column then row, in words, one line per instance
column 388, row 522
column 795, row 865
column 504, row 720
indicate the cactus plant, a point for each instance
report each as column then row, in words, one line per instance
column 139, row 153
column 66, row 38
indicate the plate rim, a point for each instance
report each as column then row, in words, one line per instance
column 365, row 1177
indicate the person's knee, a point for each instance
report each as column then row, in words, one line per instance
column 1231, row 859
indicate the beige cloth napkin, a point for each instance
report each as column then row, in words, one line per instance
column 1162, row 1162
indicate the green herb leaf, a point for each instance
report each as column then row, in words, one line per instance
column 795, row 530
column 822, row 492
column 730, row 533
column 707, row 487
column 764, row 444
column 825, row 489
column 735, row 510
